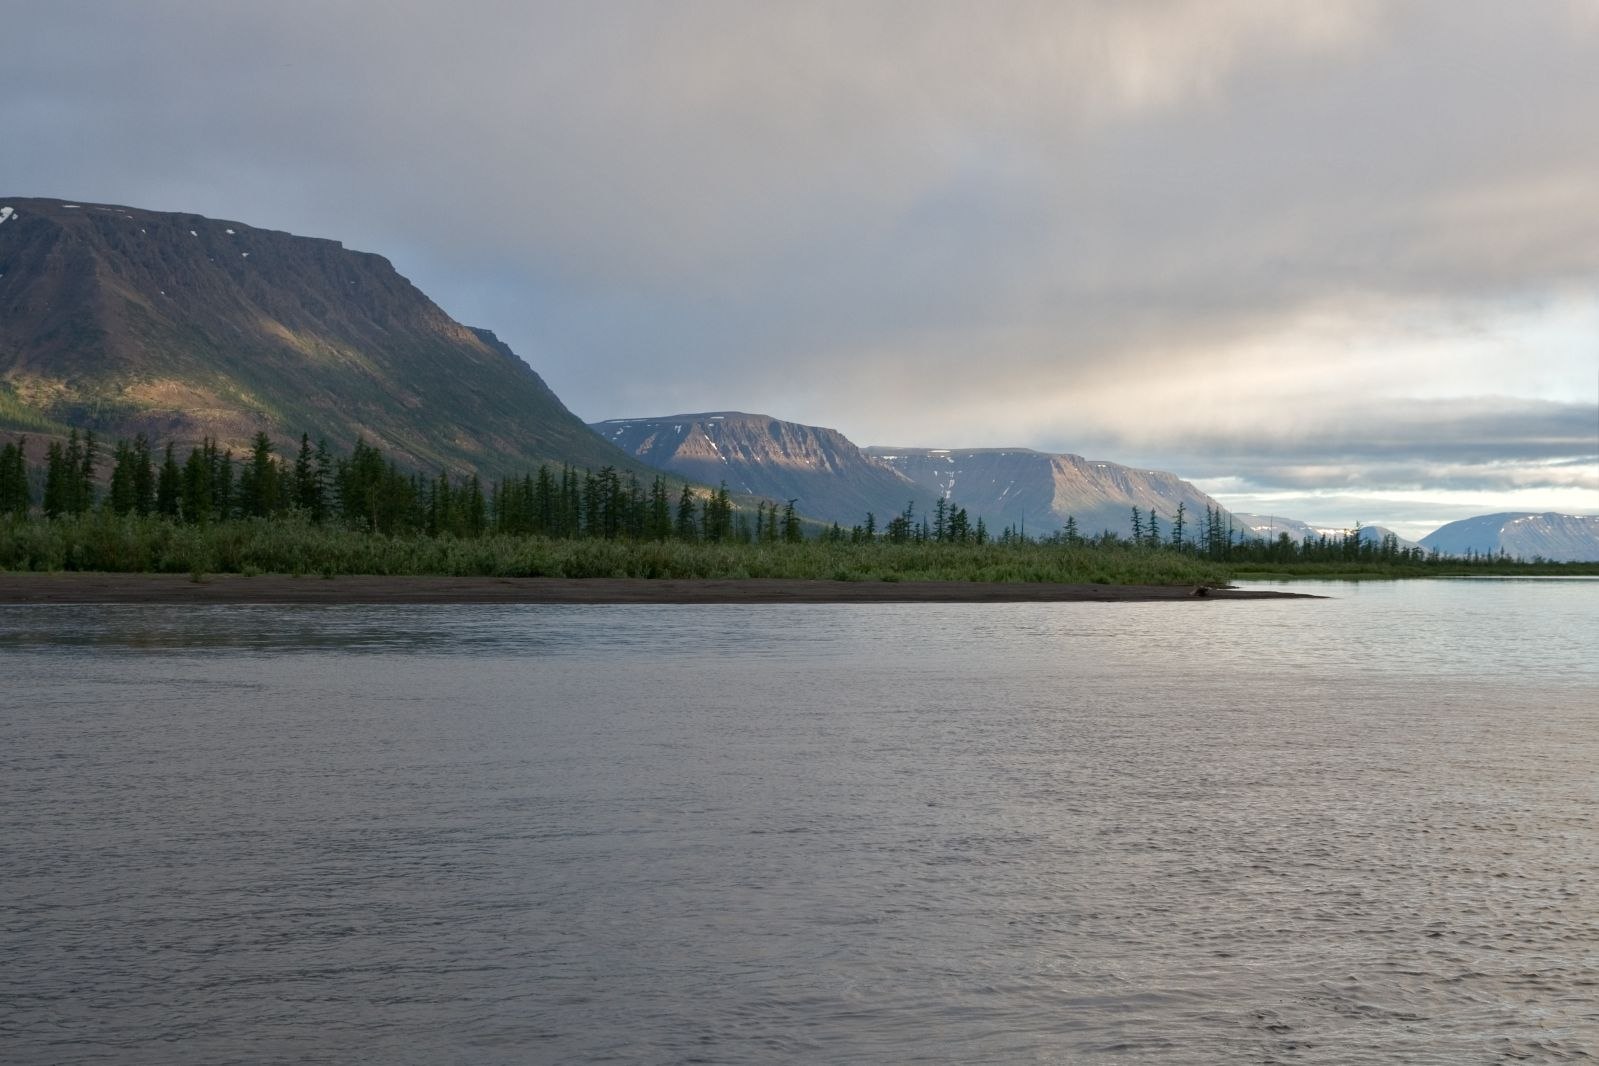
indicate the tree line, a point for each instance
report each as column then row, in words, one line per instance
column 948, row 524
column 364, row 490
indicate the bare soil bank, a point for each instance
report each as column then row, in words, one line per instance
column 19, row 588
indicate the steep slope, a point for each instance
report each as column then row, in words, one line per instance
column 123, row 320
column 1562, row 538
column 1267, row 527
column 828, row 477
column 1038, row 491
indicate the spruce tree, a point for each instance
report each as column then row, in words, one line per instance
column 169, row 485
column 476, row 511
column 120, row 498
column 197, row 480
column 323, row 503
column 259, row 490
column 686, row 527
column 659, row 526
column 14, row 491
column 83, row 491
column 56, row 491
column 305, row 486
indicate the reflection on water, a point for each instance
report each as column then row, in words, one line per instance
column 1353, row 830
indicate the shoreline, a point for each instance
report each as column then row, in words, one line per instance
column 76, row 587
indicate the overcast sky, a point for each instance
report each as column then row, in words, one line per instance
column 1334, row 261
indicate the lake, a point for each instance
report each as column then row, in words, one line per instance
column 1354, row 830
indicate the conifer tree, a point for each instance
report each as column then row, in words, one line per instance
column 169, row 485
column 259, row 489
column 475, row 507
column 659, row 526
column 687, row 529
column 792, row 533
column 14, row 491
column 324, row 503
column 120, row 499
column 310, row 494
column 57, row 499
column 83, row 490
column 197, row 480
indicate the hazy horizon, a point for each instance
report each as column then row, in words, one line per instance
column 1334, row 262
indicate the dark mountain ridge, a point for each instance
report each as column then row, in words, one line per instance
column 123, row 320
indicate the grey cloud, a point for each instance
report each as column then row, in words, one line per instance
column 908, row 219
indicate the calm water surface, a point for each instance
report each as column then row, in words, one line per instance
column 1360, row 830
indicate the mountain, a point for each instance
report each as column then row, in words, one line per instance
column 828, row 477
column 1561, row 538
column 1038, row 491
column 833, row 480
column 123, row 320
column 1267, row 527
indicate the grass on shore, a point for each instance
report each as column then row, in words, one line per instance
column 105, row 543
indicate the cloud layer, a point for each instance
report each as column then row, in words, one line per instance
column 1251, row 241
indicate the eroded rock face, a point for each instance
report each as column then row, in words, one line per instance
column 829, row 477
column 123, row 320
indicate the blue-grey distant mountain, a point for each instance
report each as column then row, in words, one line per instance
column 123, row 320
column 1563, row 538
column 835, row 481
column 1268, row 527
column 1039, row 491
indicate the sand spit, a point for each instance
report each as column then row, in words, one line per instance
column 83, row 588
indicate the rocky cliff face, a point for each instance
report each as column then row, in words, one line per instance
column 1561, row 538
column 1038, row 491
column 828, row 477
column 123, row 320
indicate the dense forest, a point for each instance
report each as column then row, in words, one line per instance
column 139, row 507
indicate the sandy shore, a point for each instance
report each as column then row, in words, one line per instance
column 17, row 588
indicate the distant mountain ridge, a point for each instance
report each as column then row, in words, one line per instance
column 1268, row 527
column 1039, row 491
column 827, row 476
column 124, row 320
column 834, row 480
column 1560, row 538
